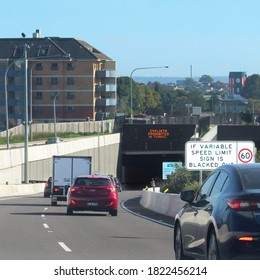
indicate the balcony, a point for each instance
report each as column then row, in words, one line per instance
column 105, row 74
column 103, row 102
column 106, row 88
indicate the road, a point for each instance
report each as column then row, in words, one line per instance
column 32, row 229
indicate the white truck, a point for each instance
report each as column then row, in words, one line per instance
column 65, row 170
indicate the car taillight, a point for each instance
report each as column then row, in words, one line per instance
column 243, row 204
column 113, row 189
column 56, row 189
column 72, row 189
column 246, row 238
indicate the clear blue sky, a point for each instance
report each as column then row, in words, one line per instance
column 214, row 36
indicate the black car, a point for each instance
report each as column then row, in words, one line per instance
column 116, row 182
column 47, row 187
column 222, row 219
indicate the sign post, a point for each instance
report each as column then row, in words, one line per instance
column 203, row 155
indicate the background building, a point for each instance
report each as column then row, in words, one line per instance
column 236, row 82
column 68, row 73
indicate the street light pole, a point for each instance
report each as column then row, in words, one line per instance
column 30, row 98
column 131, row 84
column 54, row 116
column 26, row 165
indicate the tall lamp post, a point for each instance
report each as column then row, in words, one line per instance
column 26, row 165
column 54, row 116
column 131, row 81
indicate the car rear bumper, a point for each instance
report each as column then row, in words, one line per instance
column 105, row 204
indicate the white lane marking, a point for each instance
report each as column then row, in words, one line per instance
column 65, row 247
column 45, row 209
column 45, row 225
column 43, row 216
column 144, row 217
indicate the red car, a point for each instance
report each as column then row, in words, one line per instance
column 47, row 187
column 92, row 193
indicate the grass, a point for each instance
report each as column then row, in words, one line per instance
column 42, row 136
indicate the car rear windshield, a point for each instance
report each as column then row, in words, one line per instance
column 89, row 182
column 251, row 178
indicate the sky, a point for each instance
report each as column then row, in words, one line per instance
column 191, row 37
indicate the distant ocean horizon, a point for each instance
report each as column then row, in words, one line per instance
column 167, row 80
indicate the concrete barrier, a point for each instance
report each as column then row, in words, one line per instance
column 24, row 189
column 165, row 204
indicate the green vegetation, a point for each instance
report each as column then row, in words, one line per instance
column 181, row 179
column 42, row 137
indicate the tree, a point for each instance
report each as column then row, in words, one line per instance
column 252, row 87
column 206, row 79
column 246, row 116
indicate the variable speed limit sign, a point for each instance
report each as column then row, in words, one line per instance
column 200, row 155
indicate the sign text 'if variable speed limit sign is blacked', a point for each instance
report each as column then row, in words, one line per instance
column 200, row 155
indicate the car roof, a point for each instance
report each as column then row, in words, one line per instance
column 239, row 166
column 94, row 176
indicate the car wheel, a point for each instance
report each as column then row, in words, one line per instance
column 69, row 211
column 178, row 244
column 113, row 212
column 213, row 253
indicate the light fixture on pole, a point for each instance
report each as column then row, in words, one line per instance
column 19, row 62
column 131, row 85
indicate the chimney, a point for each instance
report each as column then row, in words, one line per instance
column 36, row 34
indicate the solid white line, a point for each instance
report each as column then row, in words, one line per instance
column 45, row 225
column 66, row 248
column 144, row 217
column 43, row 216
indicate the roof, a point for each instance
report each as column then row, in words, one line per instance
column 48, row 47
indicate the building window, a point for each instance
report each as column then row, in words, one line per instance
column 54, row 66
column 11, row 80
column 38, row 95
column 38, row 66
column 43, row 51
column 70, row 66
column 70, row 81
column 54, row 81
column 70, row 95
column 11, row 94
column 54, row 94
column 18, row 52
column 38, row 81
column 70, row 109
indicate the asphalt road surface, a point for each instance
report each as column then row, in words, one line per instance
column 33, row 229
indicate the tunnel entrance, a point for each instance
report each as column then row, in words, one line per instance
column 140, row 169
column 146, row 146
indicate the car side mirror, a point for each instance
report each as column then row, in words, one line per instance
column 187, row 196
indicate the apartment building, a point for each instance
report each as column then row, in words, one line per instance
column 62, row 75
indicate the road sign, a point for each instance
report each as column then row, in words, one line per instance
column 203, row 155
column 169, row 168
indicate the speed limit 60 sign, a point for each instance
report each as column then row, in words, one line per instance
column 201, row 155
